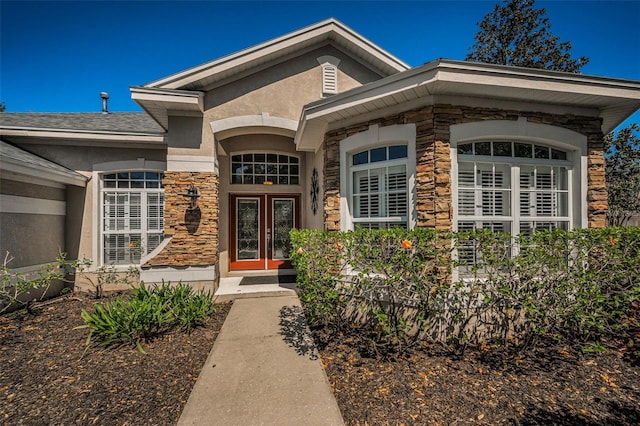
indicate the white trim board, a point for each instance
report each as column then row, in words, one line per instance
column 26, row 205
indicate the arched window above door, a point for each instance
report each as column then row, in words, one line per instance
column 266, row 168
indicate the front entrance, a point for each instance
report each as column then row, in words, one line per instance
column 259, row 234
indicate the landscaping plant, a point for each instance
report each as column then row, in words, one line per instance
column 147, row 313
column 401, row 286
column 15, row 287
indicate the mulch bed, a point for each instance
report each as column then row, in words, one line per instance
column 551, row 384
column 47, row 378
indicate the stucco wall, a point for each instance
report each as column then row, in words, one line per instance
column 278, row 90
column 309, row 219
column 34, row 234
column 82, row 211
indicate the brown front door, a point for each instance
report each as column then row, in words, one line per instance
column 259, row 232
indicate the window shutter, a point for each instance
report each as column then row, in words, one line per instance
column 397, row 194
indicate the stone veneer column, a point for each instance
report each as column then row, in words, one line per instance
column 194, row 234
column 433, row 160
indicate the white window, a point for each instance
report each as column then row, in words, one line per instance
column 379, row 187
column 513, row 187
column 377, row 178
column 265, row 168
column 132, row 215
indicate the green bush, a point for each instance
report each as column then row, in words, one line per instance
column 466, row 288
column 147, row 313
column 16, row 287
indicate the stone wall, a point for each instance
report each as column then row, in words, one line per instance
column 433, row 162
column 194, row 233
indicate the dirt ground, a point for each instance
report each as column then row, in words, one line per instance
column 46, row 377
column 551, row 385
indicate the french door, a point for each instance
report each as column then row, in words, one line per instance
column 259, row 231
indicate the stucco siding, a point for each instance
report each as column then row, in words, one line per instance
column 31, row 239
column 82, row 231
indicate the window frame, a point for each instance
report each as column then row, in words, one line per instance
column 265, row 152
column 94, row 244
column 521, row 130
column 514, row 166
column 144, row 217
column 376, row 137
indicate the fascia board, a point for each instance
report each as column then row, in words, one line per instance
column 328, row 29
column 606, row 93
column 31, row 170
column 504, row 84
column 46, row 133
column 188, row 100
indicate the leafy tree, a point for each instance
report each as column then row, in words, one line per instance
column 2, row 106
column 622, row 154
column 517, row 34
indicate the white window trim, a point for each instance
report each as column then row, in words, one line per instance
column 574, row 143
column 99, row 169
column 374, row 137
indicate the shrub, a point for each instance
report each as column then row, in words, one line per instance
column 15, row 287
column 465, row 288
column 147, row 313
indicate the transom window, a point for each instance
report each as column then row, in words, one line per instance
column 511, row 149
column 513, row 187
column 132, row 215
column 265, row 168
column 379, row 189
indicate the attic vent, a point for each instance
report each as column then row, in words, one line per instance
column 329, row 66
column 329, row 79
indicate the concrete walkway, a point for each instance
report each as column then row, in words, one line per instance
column 263, row 370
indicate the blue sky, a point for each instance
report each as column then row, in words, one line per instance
column 58, row 56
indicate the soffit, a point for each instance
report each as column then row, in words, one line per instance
column 20, row 162
column 611, row 99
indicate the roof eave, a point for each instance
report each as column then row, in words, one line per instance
column 613, row 99
column 13, row 166
column 327, row 30
column 158, row 103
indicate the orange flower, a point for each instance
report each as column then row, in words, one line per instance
column 612, row 241
column 339, row 246
column 406, row 244
column 300, row 251
column 131, row 245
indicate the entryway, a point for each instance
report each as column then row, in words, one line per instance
column 259, row 232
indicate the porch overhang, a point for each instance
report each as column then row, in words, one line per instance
column 464, row 83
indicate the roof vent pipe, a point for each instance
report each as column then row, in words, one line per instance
column 105, row 98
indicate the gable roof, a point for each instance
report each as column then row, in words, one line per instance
column 16, row 161
column 329, row 31
column 123, row 122
column 183, row 92
column 443, row 80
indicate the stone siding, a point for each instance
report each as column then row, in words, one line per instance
column 433, row 161
column 194, row 233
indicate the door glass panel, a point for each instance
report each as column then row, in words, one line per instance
column 248, row 225
column 283, row 222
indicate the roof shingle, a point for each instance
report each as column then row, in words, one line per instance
column 124, row 122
